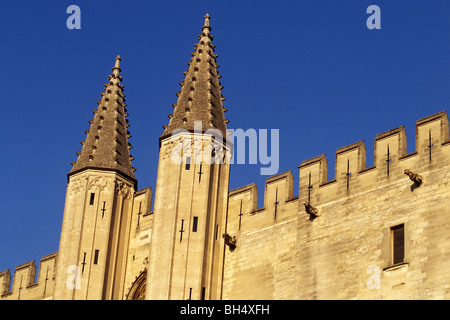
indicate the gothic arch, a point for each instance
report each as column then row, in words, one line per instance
column 138, row 288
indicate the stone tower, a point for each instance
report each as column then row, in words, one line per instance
column 187, row 250
column 92, row 252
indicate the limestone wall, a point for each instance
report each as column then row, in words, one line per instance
column 346, row 252
column 263, row 264
column 140, row 238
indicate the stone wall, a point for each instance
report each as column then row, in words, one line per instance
column 346, row 252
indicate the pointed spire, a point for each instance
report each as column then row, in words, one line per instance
column 106, row 146
column 200, row 97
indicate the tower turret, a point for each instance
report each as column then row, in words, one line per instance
column 187, row 247
column 98, row 209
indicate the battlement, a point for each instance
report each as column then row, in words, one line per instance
column 24, row 286
column 279, row 204
column 352, row 176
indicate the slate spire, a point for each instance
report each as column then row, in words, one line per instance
column 200, row 98
column 106, row 146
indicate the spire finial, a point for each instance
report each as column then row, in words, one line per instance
column 116, row 68
column 206, row 27
column 207, row 17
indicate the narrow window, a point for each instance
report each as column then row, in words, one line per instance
column 139, row 213
column 203, row 293
column 398, row 244
column 91, row 200
column 96, row 256
column 188, row 163
column 83, row 263
column 217, row 231
column 190, row 294
column 181, row 230
column 103, row 209
column 194, row 224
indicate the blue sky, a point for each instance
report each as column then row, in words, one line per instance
column 311, row 69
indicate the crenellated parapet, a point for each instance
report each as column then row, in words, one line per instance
column 386, row 221
column 24, row 286
column 243, row 213
column 390, row 161
column 351, row 176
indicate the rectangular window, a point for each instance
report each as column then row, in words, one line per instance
column 188, row 163
column 398, row 243
column 194, row 224
column 96, row 256
column 91, row 200
column 203, row 294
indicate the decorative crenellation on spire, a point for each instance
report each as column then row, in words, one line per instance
column 200, row 97
column 106, row 146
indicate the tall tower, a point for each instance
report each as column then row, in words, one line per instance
column 187, row 249
column 94, row 237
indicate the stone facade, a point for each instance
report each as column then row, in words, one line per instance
column 347, row 251
column 375, row 232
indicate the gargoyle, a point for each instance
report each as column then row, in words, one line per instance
column 230, row 241
column 416, row 178
column 311, row 210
